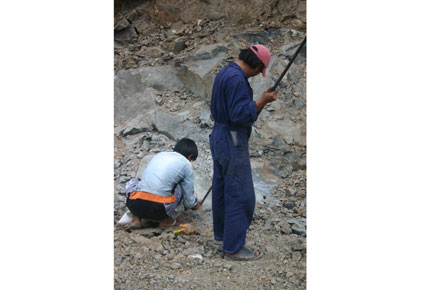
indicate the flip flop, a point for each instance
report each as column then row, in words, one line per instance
column 244, row 255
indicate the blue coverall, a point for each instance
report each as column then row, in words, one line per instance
column 233, row 197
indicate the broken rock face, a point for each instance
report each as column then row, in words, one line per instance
column 197, row 69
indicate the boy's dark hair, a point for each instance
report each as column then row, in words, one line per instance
column 187, row 147
column 249, row 57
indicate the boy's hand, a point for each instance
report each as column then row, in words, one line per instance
column 196, row 207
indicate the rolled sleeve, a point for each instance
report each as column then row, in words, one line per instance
column 243, row 110
column 189, row 198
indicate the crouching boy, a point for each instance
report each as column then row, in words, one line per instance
column 167, row 180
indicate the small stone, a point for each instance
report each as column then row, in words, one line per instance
column 296, row 256
column 193, row 251
column 289, row 205
column 285, row 228
column 205, row 119
column 299, row 230
column 271, row 249
column 176, row 266
column 299, row 244
column 196, row 256
column 288, row 140
column 179, row 46
column 121, row 25
column 228, row 267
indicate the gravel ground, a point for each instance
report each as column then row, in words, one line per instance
column 155, row 258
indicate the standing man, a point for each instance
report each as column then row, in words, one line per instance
column 234, row 112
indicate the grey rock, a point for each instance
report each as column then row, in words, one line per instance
column 117, row 164
column 195, row 70
column 285, row 228
column 289, row 205
column 298, row 226
column 153, row 52
column 124, row 179
column 253, row 38
column 205, row 119
column 133, row 131
column 133, row 105
column 135, row 91
column 299, row 104
column 228, row 267
column 132, row 16
column 273, row 33
column 176, row 266
column 278, row 142
column 194, row 251
column 296, row 256
column 299, row 230
column 298, row 244
column 126, row 158
column 208, row 52
column 271, row 249
column 179, row 46
column 126, row 36
column 288, row 139
column 296, row 131
column 290, row 49
column 122, row 24
column 291, row 192
column 174, row 126
column 159, row 77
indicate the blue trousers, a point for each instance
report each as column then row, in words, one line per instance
column 233, row 196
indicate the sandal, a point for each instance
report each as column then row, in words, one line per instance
column 244, row 255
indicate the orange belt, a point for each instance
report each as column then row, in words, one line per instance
column 152, row 197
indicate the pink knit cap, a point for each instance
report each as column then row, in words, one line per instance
column 263, row 54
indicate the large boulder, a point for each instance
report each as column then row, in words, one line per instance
column 174, row 126
column 264, row 179
column 196, row 70
column 290, row 130
column 135, row 90
column 132, row 106
column 159, row 77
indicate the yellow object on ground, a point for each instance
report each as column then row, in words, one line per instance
column 186, row 229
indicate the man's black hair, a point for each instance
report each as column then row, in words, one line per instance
column 187, row 147
column 249, row 57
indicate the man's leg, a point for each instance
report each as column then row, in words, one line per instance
column 239, row 203
column 218, row 203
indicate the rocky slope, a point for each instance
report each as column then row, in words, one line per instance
column 167, row 54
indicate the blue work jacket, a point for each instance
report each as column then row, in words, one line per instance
column 232, row 102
